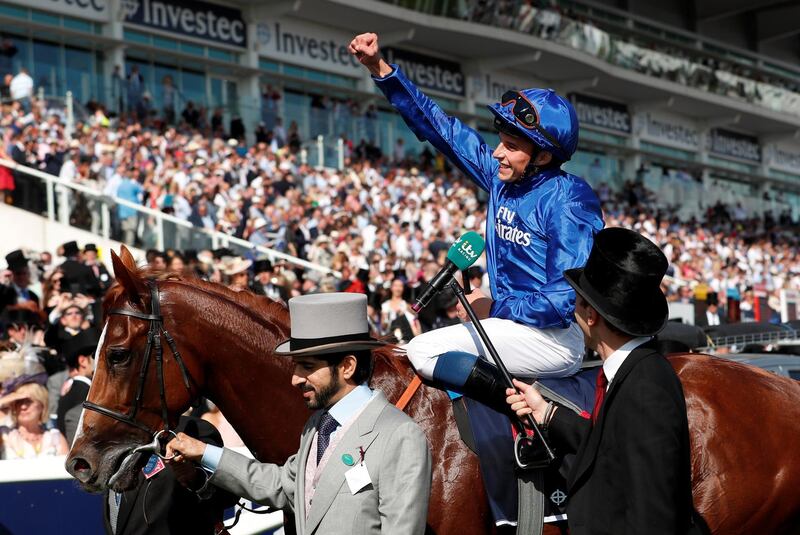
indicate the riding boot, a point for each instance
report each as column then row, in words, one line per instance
column 473, row 377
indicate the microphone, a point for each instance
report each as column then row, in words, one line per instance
column 462, row 254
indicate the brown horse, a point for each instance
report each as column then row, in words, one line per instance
column 744, row 423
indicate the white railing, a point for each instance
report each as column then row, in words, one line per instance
column 160, row 231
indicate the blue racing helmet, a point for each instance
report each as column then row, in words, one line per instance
column 541, row 115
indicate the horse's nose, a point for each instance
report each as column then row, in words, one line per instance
column 79, row 468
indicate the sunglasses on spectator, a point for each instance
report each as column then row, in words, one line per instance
column 525, row 114
column 23, row 401
column 73, row 313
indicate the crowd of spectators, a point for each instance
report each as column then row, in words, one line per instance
column 551, row 20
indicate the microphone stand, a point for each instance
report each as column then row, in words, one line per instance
column 521, row 436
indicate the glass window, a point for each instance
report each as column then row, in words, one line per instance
column 267, row 65
column 161, row 73
column 136, row 37
column 45, row 18
column 668, row 151
column 596, row 168
column 77, row 24
column 79, row 73
column 13, row 11
column 195, row 50
column 167, row 44
column 46, row 72
column 192, row 87
column 223, row 55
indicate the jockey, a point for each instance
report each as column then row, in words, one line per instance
column 541, row 221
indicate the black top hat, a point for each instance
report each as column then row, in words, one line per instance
column 84, row 343
column 621, row 280
column 70, row 249
column 90, row 247
column 20, row 316
column 261, row 266
column 16, row 260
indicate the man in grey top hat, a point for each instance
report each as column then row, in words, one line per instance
column 363, row 466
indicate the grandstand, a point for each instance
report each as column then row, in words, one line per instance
column 225, row 133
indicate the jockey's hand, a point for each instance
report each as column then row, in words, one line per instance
column 185, row 448
column 480, row 302
column 528, row 401
column 365, row 48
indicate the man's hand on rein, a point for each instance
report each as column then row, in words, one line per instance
column 185, row 448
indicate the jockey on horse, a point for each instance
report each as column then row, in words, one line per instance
column 541, row 221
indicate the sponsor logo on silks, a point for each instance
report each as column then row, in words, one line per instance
column 505, row 230
column 558, row 497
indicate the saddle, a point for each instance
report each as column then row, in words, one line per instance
column 540, row 495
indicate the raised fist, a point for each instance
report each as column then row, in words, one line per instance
column 365, row 48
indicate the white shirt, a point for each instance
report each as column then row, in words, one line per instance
column 21, row 86
column 612, row 364
column 713, row 319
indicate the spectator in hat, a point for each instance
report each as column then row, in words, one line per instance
column 91, row 260
column 712, row 316
column 262, row 271
column 236, row 273
column 20, row 281
column 79, row 354
column 68, row 321
column 78, row 277
column 27, row 437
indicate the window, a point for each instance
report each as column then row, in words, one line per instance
column 794, row 374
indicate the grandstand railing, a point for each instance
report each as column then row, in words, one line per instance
column 740, row 340
column 616, row 49
column 155, row 229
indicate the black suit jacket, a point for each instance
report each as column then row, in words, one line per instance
column 81, row 276
column 632, row 472
column 77, row 394
column 162, row 506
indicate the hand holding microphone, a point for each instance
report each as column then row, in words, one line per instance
column 464, row 252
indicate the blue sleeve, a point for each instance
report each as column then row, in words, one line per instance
column 570, row 230
column 211, row 457
column 461, row 144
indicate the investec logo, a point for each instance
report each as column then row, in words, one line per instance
column 505, row 230
column 201, row 22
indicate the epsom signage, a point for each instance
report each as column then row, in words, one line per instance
column 209, row 22
column 669, row 131
column 96, row 10
column 429, row 72
column 734, row 145
column 600, row 113
column 309, row 45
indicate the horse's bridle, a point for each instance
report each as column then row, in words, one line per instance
column 153, row 345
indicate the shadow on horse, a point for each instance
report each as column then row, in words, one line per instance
column 744, row 423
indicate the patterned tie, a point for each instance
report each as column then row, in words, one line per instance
column 327, row 425
column 599, row 395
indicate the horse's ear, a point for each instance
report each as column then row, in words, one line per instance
column 127, row 258
column 127, row 277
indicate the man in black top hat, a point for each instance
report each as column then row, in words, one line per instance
column 79, row 353
column 631, row 474
column 78, row 278
column 20, row 280
column 91, row 260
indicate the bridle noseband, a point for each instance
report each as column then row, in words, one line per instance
column 153, row 346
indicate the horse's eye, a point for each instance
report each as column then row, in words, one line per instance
column 117, row 355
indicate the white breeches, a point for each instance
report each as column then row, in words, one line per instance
column 525, row 351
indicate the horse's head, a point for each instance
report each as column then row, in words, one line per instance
column 128, row 400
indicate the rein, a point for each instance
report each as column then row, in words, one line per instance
column 152, row 348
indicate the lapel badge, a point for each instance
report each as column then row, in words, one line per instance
column 348, row 459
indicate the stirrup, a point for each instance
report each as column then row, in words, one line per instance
column 529, row 453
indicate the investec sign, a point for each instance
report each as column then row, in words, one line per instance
column 195, row 19
column 429, row 72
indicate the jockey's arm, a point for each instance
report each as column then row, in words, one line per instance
column 570, row 229
column 461, row 144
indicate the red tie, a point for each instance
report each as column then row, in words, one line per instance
column 599, row 395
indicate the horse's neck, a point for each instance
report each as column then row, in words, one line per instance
column 251, row 386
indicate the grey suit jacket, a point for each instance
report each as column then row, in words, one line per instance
column 396, row 455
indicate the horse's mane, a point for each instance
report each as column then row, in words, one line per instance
column 260, row 305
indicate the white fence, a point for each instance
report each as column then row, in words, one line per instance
column 155, row 229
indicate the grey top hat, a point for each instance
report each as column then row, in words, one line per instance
column 328, row 323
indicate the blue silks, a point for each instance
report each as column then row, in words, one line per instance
column 537, row 227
